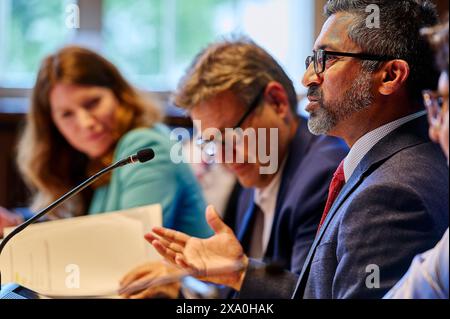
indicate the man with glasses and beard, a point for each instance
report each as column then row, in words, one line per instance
column 388, row 200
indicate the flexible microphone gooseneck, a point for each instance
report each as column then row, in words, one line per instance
column 142, row 156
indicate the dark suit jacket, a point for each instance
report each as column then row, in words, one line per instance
column 310, row 165
column 394, row 206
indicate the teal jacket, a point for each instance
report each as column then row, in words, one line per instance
column 159, row 181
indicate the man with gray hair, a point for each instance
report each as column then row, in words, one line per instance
column 388, row 201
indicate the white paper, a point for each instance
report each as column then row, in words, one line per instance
column 82, row 256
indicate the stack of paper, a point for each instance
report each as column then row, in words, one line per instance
column 81, row 257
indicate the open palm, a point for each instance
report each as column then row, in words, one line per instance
column 219, row 259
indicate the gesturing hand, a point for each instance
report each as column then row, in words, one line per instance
column 219, row 259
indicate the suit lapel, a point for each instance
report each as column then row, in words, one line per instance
column 408, row 135
column 297, row 149
column 345, row 192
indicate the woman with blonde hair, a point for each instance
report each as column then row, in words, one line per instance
column 83, row 116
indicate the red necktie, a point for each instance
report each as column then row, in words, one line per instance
column 336, row 185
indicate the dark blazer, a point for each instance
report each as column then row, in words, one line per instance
column 310, row 165
column 394, row 206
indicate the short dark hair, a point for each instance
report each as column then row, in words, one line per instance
column 398, row 36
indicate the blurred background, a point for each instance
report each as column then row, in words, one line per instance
column 151, row 41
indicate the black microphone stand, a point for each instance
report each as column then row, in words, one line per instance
column 142, row 156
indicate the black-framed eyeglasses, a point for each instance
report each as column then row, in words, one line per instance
column 321, row 57
column 209, row 145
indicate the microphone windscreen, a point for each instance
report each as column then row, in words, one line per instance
column 145, row 155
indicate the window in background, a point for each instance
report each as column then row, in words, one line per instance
column 154, row 41
column 29, row 30
column 151, row 41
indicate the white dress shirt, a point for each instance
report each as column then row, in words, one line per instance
column 266, row 199
column 368, row 141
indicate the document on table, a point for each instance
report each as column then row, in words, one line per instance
column 83, row 256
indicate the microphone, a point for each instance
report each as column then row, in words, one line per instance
column 141, row 156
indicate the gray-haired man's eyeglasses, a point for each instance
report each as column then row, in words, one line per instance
column 321, row 57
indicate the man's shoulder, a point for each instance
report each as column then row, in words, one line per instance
column 413, row 179
column 410, row 165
